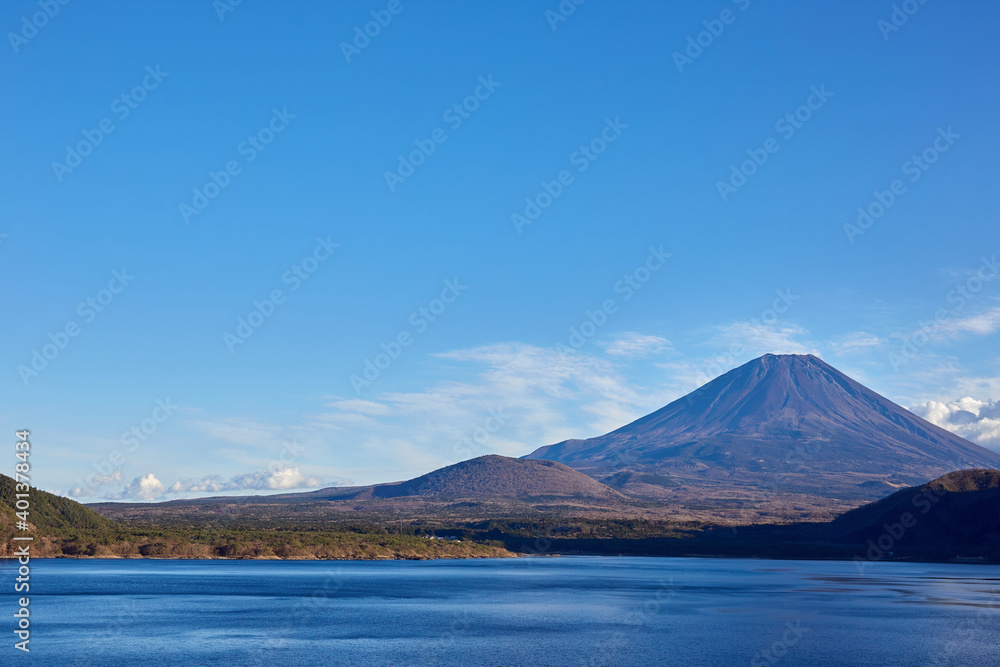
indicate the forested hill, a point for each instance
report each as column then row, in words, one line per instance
column 48, row 513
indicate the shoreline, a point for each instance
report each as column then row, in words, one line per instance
column 518, row 556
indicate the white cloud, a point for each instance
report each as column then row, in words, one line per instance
column 634, row 344
column 978, row 421
column 147, row 487
column 95, row 482
column 281, row 479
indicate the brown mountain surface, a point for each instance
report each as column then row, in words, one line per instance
column 489, row 476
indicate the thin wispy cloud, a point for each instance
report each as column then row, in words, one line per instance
column 858, row 341
column 541, row 395
column 238, row 432
column 755, row 339
column 981, row 324
column 633, row 344
column 95, row 484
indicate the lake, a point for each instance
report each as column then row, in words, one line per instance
column 538, row 611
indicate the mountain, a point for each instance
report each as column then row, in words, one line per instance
column 788, row 422
column 953, row 517
column 782, row 438
column 489, row 476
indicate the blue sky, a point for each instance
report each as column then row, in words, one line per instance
column 256, row 158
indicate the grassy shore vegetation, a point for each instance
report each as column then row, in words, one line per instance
column 65, row 528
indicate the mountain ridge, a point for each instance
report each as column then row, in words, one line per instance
column 489, row 476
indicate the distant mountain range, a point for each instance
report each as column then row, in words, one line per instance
column 780, row 422
column 781, row 438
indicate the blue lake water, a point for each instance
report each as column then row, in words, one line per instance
column 542, row 611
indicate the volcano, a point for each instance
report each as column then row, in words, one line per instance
column 780, row 421
column 488, row 476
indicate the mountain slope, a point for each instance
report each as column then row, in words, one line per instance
column 486, row 477
column 951, row 518
column 958, row 509
column 779, row 416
